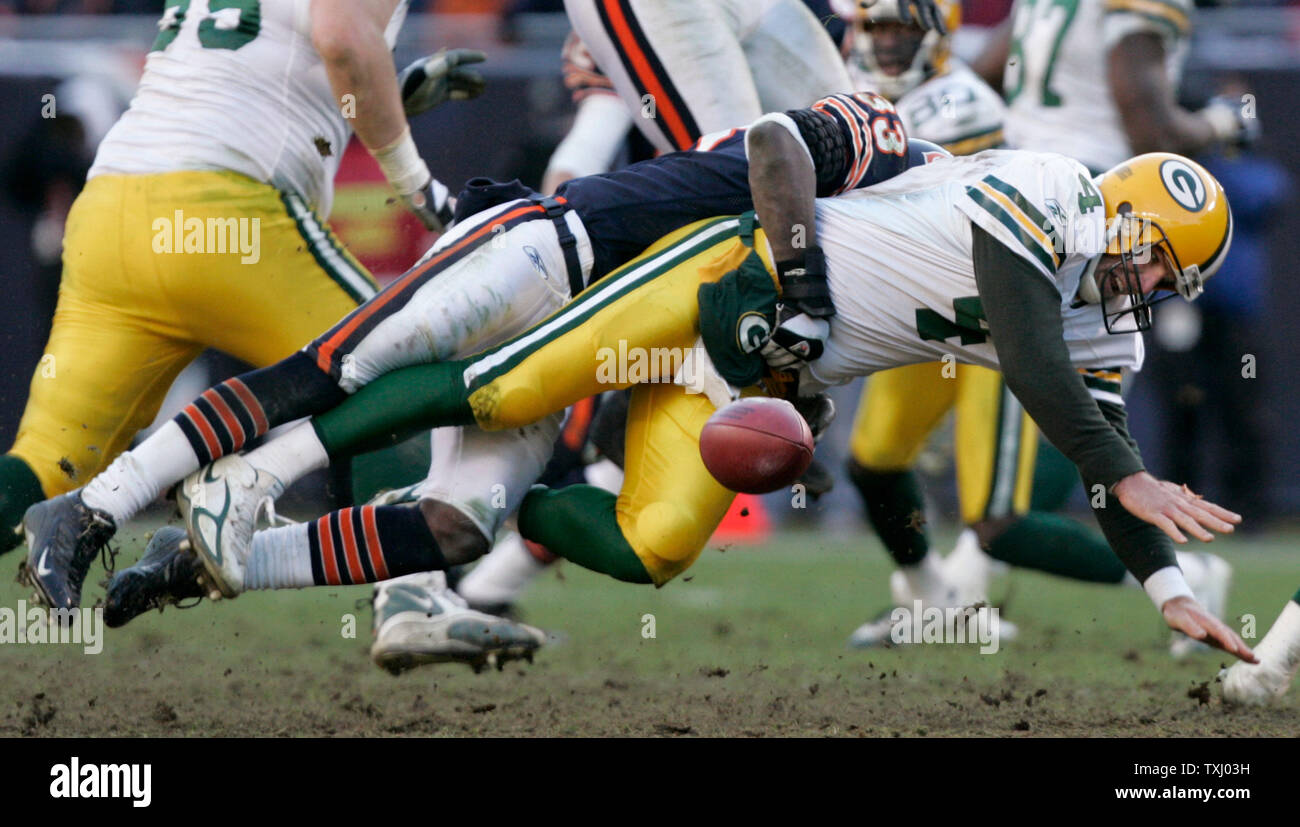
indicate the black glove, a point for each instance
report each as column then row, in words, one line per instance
column 432, row 81
column 804, row 285
column 818, row 411
column 927, row 14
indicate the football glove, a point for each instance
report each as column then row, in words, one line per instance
column 1227, row 117
column 804, row 285
column 818, row 411
column 928, row 15
column 432, row 81
column 797, row 339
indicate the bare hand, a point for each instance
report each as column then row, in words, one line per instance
column 1184, row 614
column 1172, row 507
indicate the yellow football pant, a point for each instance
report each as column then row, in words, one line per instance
column 670, row 504
column 131, row 315
column 995, row 441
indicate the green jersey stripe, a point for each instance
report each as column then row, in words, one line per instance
column 1026, row 240
column 506, row 357
column 1039, row 220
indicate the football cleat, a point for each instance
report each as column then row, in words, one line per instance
column 1279, row 660
column 418, row 620
column 1210, row 588
column 167, row 574
column 220, row 505
column 943, row 595
column 1256, row 684
column 63, row 537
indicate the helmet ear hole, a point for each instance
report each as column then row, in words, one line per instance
column 1124, row 208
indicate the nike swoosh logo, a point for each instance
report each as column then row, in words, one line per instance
column 41, row 568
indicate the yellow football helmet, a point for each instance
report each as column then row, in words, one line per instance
column 1166, row 205
column 898, row 66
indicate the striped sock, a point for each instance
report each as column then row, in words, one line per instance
column 222, row 420
column 370, row 543
column 228, row 416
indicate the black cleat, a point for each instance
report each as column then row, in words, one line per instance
column 63, row 537
column 167, row 574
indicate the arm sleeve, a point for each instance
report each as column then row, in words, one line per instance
column 1140, row 546
column 1024, row 314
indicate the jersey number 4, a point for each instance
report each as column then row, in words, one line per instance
column 230, row 24
column 968, row 319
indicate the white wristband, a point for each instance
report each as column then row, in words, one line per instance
column 402, row 164
column 1223, row 122
column 1165, row 585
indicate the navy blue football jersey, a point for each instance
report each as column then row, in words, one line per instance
column 854, row 140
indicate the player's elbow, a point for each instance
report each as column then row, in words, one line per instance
column 337, row 39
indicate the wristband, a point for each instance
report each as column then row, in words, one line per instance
column 402, row 164
column 1165, row 585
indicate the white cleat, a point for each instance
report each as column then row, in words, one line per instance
column 1256, row 684
column 1209, row 584
column 220, row 505
column 1279, row 660
column 942, row 594
column 418, row 620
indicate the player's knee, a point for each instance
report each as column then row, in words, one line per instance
column 989, row 529
column 668, row 538
column 458, row 538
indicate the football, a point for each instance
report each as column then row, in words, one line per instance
column 756, row 445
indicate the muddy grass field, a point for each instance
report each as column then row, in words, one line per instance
column 749, row 643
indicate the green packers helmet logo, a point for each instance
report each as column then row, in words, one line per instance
column 752, row 331
column 1183, row 184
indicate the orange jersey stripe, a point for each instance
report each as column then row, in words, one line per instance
column 649, row 80
column 374, row 305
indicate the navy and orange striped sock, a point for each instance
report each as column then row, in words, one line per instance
column 226, row 417
column 370, row 543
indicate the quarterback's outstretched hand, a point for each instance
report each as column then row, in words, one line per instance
column 1184, row 614
column 1173, row 508
column 432, row 81
column 927, row 14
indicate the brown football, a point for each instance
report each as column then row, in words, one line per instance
column 756, row 445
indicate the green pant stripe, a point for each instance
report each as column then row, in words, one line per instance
column 506, row 357
column 350, row 277
column 1027, row 241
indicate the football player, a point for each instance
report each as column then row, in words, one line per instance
column 948, row 259
column 1097, row 80
column 204, row 209
column 941, row 100
column 513, row 260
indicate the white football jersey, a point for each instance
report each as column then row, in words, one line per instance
column 955, row 109
column 898, row 257
column 236, row 85
column 1055, row 81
